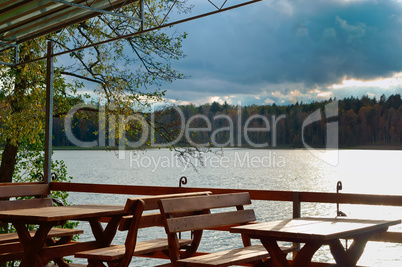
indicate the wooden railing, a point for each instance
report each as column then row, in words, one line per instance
column 288, row 196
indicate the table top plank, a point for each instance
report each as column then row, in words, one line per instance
column 323, row 229
column 63, row 213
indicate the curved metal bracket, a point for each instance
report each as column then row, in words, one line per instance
column 338, row 212
column 182, row 181
column 40, row 177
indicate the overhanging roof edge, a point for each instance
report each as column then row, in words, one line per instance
column 131, row 34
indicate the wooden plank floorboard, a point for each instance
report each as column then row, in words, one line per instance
column 71, row 265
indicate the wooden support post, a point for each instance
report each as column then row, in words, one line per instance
column 49, row 113
column 296, row 214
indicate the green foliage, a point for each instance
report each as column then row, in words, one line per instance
column 127, row 73
column 29, row 168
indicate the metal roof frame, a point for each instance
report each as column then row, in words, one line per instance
column 23, row 20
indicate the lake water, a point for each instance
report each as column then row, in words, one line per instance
column 361, row 171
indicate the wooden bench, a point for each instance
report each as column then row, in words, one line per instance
column 10, row 248
column 194, row 214
column 116, row 253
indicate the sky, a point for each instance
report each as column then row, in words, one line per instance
column 284, row 51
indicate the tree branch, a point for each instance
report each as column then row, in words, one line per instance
column 81, row 77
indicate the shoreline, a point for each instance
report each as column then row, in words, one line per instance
column 365, row 147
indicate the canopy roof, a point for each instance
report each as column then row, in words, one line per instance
column 22, row 20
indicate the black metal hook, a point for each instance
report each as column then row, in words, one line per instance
column 54, row 176
column 182, row 181
column 338, row 212
column 40, row 177
column 338, row 186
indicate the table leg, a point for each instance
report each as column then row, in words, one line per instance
column 105, row 236
column 32, row 245
column 63, row 240
column 277, row 257
column 304, row 256
column 351, row 256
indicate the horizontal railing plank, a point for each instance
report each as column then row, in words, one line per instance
column 268, row 195
column 391, row 237
column 317, row 197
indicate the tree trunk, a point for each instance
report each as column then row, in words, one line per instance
column 8, row 161
column 9, row 156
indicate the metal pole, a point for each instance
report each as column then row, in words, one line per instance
column 49, row 113
column 142, row 14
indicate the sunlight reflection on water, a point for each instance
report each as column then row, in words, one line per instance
column 361, row 171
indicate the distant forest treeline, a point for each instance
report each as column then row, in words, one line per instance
column 361, row 122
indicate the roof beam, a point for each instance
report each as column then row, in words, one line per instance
column 53, row 20
column 16, row 54
column 28, row 14
column 98, row 10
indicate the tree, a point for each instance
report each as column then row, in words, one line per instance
column 128, row 74
column 215, row 107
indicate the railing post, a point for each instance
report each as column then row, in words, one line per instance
column 296, row 214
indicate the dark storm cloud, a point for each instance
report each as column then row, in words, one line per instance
column 358, row 40
column 307, row 42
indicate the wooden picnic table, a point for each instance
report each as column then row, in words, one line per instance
column 315, row 232
column 35, row 251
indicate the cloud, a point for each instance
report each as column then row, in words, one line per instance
column 329, row 34
column 354, row 32
column 383, row 83
column 216, row 99
column 269, row 101
column 282, row 45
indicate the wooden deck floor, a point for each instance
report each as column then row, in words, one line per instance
column 313, row 264
column 71, row 265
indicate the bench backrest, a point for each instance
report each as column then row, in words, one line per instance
column 172, row 208
column 134, row 207
column 194, row 214
column 136, row 219
column 152, row 203
column 38, row 190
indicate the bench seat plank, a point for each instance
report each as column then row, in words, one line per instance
column 117, row 251
column 54, row 232
column 229, row 257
